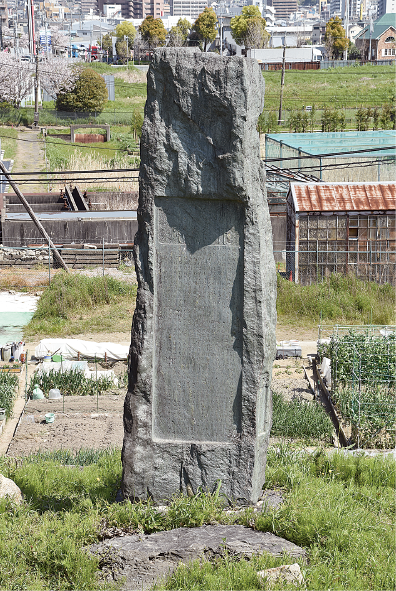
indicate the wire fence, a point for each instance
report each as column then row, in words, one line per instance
column 314, row 266
column 36, row 266
column 363, row 377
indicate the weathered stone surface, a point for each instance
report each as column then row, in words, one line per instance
column 9, row 489
column 287, row 573
column 198, row 408
column 144, row 558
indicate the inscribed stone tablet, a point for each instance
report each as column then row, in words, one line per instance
column 198, row 309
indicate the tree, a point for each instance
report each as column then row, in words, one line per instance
column 336, row 41
column 353, row 52
column 16, row 80
column 248, row 28
column 177, row 36
column 205, row 26
column 153, row 31
column 107, row 44
column 126, row 29
column 60, row 43
column 185, row 26
column 123, row 50
column 88, row 94
column 57, row 73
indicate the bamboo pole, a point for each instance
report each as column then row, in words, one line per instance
column 33, row 216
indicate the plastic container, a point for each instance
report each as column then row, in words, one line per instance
column 49, row 417
column 57, row 358
column 37, row 393
column 54, row 394
column 2, row 414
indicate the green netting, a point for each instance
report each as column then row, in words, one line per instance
column 310, row 153
column 336, row 141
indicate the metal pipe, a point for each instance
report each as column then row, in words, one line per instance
column 33, row 217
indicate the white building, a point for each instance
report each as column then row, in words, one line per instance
column 386, row 7
column 191, row 9
column 112, row 11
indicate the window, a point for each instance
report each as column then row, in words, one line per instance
column 388, row 51
column 390, row 40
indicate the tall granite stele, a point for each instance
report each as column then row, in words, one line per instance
column 198, row 410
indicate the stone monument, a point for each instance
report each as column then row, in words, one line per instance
column 198, row 408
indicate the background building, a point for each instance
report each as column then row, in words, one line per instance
column 190, row 9
column 3, row 13
column 283, row 8
column 382, row 39
column 386, row 7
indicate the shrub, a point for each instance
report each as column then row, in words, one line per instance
column 88, row 95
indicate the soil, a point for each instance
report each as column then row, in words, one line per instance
column 80, row 421
column 83, row 422
column 91, row 422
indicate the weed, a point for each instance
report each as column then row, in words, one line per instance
column 337, row 299
column 306, row 420
column 335, row 506
column 103, row 303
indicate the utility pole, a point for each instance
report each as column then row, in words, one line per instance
column 1, row 32
column 36, row 90
column 221, row 35
column 126, row 39
column 346, row 24
column 282, row 82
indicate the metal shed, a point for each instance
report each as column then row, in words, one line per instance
column 341, row 228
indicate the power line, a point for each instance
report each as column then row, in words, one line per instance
column 78, row 146
column 95, row 171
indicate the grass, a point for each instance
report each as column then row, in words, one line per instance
column 340, row 508
column 8, row 139
column 74, row 304
column 350, row 87
column 340, row 299
column 300, row 419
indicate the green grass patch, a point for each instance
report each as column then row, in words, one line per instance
column 9, row 143
column 74, row 304
column 350, row 87
column 340, row 299
column 340, row 508
column 300, row 419
column 8, row 387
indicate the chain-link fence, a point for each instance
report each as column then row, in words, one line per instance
column 36, row 265
column 313, row 266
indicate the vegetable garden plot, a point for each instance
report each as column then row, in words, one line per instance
column 363, row 366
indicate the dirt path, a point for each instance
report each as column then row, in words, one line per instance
column 30, row 157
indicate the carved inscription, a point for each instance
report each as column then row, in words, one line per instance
column 198, row 282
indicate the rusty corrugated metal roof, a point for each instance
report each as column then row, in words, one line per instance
column 344, row 196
